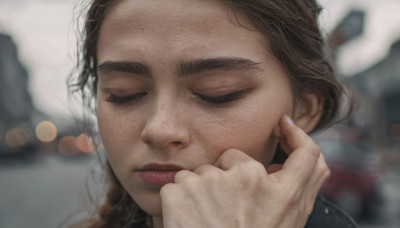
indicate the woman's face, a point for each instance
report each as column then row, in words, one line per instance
column 180, row 82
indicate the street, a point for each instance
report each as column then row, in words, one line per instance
column 41, row 192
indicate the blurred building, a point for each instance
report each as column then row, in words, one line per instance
column 16, row 107
column 377, row 119
column 24, row 130
column 16, row 103
column 351, row 26
column 380, row 85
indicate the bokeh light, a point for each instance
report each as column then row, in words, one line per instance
column 395, row 131
column 68, row 145
column 85, row 143
column 16, row 137
column 46, row 131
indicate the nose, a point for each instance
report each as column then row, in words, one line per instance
column 165, row 129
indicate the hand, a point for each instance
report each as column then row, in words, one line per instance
column 237, row 191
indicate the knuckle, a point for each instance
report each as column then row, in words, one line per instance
column 327, row 173
column 188, row 181
column 250, row 175
column 166, row 189
column 254, row 169
column 323, row 167
column 181, row 175
column 314, row 150
column 205, row 168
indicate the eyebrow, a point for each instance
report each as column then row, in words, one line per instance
column 222, row 63
column 124, row 66
column 184, row 68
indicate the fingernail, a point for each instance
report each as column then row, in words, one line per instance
column 288, row 120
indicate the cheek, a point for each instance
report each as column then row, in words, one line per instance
column 117, row 124
column 119, row 131
column 107, row 126
column 248, row 129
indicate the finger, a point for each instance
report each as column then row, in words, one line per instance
column 284, row 145
column 282, row 140
column 321, row 173
column 295, row 136
column 302, row 161
column 230, row 158
column 183, row 174
column 319, row 176
column 206, row 168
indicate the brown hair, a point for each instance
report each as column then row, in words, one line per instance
column 293, row 36
column 119, row 208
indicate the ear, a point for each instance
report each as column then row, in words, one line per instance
column 308, row 111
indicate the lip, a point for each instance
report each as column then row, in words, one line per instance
column 161, row 167
column 158, row 175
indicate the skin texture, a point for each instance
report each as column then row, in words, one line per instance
column 170, row 122
column 240, row 193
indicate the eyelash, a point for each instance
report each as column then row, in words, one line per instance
column 227, row 98
column 120, row 100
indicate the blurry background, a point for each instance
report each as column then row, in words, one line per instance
column 45, row 157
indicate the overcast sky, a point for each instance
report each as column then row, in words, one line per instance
column 45, row 38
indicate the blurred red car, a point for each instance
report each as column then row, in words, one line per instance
column 354, row 184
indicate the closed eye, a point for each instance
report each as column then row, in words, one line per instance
column 120, row 100
column 227, row 98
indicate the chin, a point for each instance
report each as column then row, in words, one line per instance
column 149, row 203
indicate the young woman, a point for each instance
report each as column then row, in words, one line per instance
column 200, row 102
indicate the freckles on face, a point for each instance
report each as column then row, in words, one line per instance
column 247, row 126
column 180, row 84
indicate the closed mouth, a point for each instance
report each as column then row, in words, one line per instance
column 161, row 167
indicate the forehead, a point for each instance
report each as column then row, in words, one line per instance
column 151, row 14
column 185, row 25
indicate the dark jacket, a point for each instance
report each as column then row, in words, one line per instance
column 324, row 215
column 327, row 215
